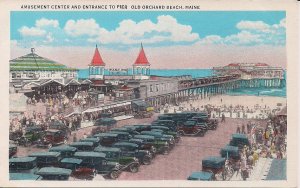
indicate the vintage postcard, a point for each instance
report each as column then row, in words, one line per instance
column 149, row 93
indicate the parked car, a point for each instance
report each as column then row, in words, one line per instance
column 96, row 141
column 163, row 137
column 53, row 137
column 107, row 139
column 191, row 128
column 24, row 176
column 166, row 123
column 115, row 155
column 31, row 136
column 54, row 173
column 64, row 150
column 78, row 171
column 230, row 152
column 129, row 130
column 83, row 146
column 167, row 131
column 57, row 125
column 160, row 145
column 211, row 124
column 44, row 159
column 239, row 140
column 142, row 127
column 132, row 150
column 122, row 136
column 22, row 164
column 144, row 145
column 12, row 150
column 201, row 176
column 216, row 166
column 98, row 162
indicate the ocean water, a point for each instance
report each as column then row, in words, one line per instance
column 196, row 73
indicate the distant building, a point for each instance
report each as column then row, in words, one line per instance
column 32, row 67
column 141, row 66
column 251, row 71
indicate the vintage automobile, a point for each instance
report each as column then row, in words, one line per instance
column 201, row 176
column 115, row 155
column 211, row 124
column 107, row 139
column 64, row 150
column 201, row 125
column 103, row 125
column 160, row 146
column 53, row 137
column 96, row 141
column 167, row 131
column 231, row 152
column 166, row 123
column 144, row 145
column 83, row 146
column 239, row 140
column 142, row 127
column 216, row 166
column 54, row 173
column 31, row 136
column 60, row 126
column 122, row 136
column 13, row 149
column 44, row 159
column 191, row 128
column 24, row 176
column 132, row 150
column 130, row 130
column 163, row 137
column 23, row 164
column 78, row 171
column 98, row 162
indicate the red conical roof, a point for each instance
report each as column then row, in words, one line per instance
column 97, row 59
column 141, row 59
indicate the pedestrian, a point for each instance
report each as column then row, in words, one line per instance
column 84, row 136
column 75, row 137
column 243, row 129
column 244, row 170
column 221, row 100
column 223, row 118
column 238, row 130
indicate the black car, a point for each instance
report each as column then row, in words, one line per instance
column 132, row 150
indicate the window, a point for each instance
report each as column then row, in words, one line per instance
column 157, row 89
column 13, row 75
column 151, row 88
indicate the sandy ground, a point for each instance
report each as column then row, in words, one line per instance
column 246, row 101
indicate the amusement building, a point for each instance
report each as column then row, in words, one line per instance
column 34, row 76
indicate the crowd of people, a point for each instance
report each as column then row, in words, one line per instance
column 267, row 141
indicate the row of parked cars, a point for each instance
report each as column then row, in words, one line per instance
column 220, row 167
column 110, row 153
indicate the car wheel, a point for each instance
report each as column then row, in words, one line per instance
column 181, row 133
column 134, row 168
column 49, row 146
column 114, row 174
column 166, row 151
column 146, row 160
column 201, row 134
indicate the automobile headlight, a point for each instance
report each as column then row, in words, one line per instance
column 135, row 159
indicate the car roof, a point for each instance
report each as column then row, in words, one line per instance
column 24, row 176
column 82, row 144
column 239, row 136
column 91, row 139
column 63, row 148
column 53, row 130
column 119, row 132
column 105, row 149
column 105, row 134
column 89, row 154
column 45, row 153
column 151, row 133
column 125, row 144
column 71, row 160
column 135, row 140
column 144, row 136
column 201, row 176
column 22, row 159
column 159, row 127
column 54, row 171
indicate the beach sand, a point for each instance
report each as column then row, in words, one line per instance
column 246, row 101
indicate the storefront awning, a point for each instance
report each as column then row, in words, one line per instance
column 92, row 110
